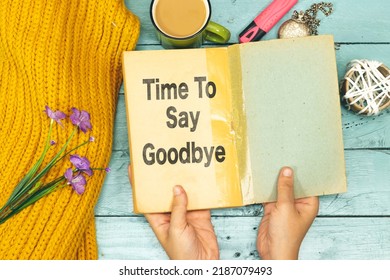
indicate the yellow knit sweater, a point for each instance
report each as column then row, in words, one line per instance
column 60, row 53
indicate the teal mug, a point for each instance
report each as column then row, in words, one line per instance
column 186, row 23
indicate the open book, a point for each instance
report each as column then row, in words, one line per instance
column 221, row 122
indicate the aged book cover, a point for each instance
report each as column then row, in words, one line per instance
column 221, row 122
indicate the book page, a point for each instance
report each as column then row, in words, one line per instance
column 179, row 111
column 293, row 115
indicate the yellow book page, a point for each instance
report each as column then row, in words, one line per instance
column 179, row 120
column 240, row 126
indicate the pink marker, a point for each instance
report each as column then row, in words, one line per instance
column 266, row 20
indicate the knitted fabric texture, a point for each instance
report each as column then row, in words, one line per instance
column 62, row 54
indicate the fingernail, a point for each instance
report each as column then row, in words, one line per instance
column 176, row 190
column 287, row 172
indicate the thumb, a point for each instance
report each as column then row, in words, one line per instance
column 179, row 208
column 286, row 185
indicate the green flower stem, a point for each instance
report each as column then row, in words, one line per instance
column 54, row 160
column 20, row 205
column 67, row 153
column 36, row 187
column 43, row 172
column 31, row 187
column 47, row 189
column 4, row 213
column 14, row 204
column 22, row 184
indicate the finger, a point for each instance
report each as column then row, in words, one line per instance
column 268, row 207
column 179, row 208
column 195, row 216
column 308, row 206
column 314, row 203
column 286, row 185
column 157, row 219
column 159, row 224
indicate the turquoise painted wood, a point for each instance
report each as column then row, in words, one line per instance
column 328, row 238
column 352, row 21
column 353, row 225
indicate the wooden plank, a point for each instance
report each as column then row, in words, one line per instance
column 131, row 238
column 348, row 52
column 350, row 22
column 358, row 131
column 368, row 189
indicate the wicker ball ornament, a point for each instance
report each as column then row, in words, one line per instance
column 366, row 87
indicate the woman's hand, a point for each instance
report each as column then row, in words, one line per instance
column 185, row 235
column 286, row 221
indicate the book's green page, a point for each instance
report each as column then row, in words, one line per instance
column 292, row 104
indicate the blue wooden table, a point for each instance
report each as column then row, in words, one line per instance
column 354, row 225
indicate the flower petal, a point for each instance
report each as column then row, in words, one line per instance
column 78, row 183
column 81, row 163
column 59, row 115
column 79, row 189
column 81, row 119
column 49, row 112
column 88, row 171
column 75, row 117
column 55, row 115
column 69, row 175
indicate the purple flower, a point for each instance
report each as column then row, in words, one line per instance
column 81, row 163
column 56, row 115
column 91, row 139
column 107, row 169
column 52, row 142
column 81, row 119
column 77, row 182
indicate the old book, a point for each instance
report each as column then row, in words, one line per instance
column 221, row 122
